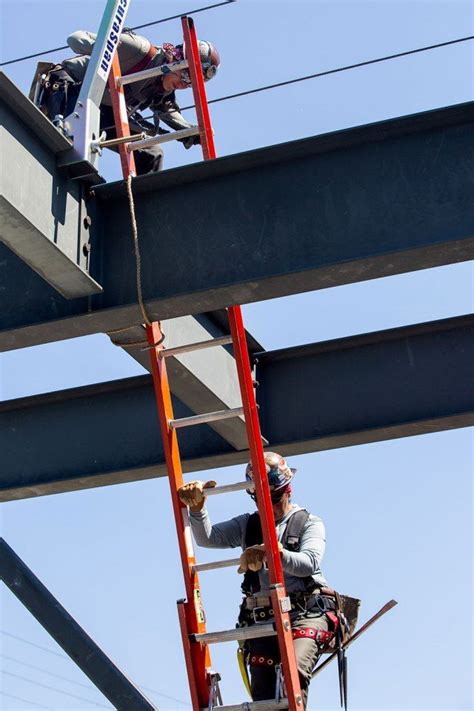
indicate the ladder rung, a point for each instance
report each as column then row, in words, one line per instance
column 207, row 417
column 202, row 567
column 153, row 72
column 252, row 632
column 165, row 138
column 179, row 350
column 229, row 488
column 270, row 705
column 119, row 141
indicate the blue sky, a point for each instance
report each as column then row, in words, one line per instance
column 398, row 513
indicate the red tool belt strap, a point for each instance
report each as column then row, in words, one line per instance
column 258, row 660
column 309, row 633
column 143, row 63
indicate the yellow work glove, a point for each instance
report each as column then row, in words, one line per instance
column 192, row 494
column 253, row 558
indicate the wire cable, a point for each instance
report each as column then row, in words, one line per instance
column 191, row 12
column 327, row 72
column 65, row 657
column 33, row 644
column 89, row 687
column 58, row 691
column 138, row 27
column 24, row 701
column 46, row 671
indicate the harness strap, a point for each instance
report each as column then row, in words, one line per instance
column 323, row 636
column 143, row 63
column 294, row 530
column 291, row 541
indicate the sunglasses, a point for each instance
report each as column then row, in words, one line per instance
column 275, row 498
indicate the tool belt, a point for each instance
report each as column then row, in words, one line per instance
column 321, row 637
column 258, row 608
column 58, row 92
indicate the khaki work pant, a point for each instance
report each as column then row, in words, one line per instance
column 263, row 678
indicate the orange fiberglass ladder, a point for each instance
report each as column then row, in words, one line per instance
column 203, row 682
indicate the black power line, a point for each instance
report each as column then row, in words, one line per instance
column 327, row 72
column 138, row 27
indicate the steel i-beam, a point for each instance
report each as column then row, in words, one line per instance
column 396, row 383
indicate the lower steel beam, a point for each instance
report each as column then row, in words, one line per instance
column 379, row 386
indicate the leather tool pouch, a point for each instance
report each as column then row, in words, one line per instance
column 347, row 613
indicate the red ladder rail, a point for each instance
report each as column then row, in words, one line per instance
column 264, row 504
column 262, row 490
column 199, row 90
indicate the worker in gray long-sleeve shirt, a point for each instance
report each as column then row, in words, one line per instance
column 302, row 542
column 136, row 53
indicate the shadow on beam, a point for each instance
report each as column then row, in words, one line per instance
column 64, row 629
column 379, row 386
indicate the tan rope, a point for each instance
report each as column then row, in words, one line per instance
column 136, row 246
column 138, row 269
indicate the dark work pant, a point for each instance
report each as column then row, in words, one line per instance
column 263, row 678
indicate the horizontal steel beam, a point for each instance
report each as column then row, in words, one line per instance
column 384, row 385
column 356, row 204
column 70, row 636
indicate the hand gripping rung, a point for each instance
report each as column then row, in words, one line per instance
column 202, row 567
column 252, row 632
column 207, row 417
column 179, row 350
column 163, row 138
column 270, row 705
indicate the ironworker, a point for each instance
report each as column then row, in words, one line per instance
column 301, row 538
column 136, row 53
